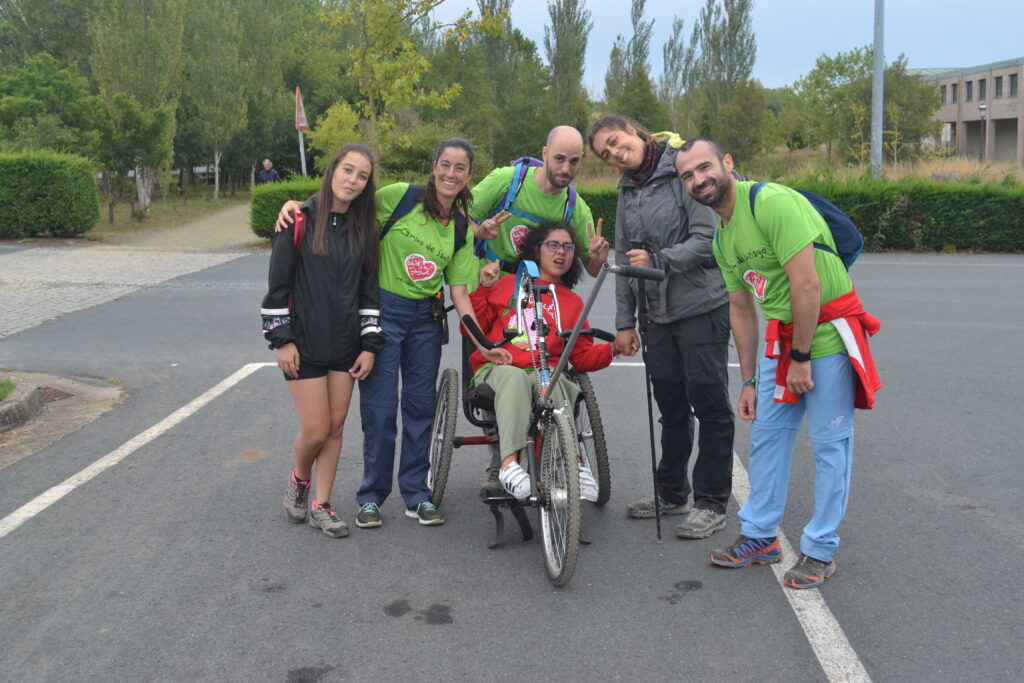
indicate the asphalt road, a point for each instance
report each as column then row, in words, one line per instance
column 177, row 562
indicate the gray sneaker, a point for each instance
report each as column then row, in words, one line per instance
column 700, row 523
column 426, row 514
column 643, row 508
column 295, row 499
column 369, row 516
column 323, row 517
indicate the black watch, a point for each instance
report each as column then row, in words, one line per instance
column 799, row 356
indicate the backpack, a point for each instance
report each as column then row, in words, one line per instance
column 521, row 166
column 849, row 241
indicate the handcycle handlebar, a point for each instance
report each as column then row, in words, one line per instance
column 591, row 332
column 637, row 272
column 478, row 334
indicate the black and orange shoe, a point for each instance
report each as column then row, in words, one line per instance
column 809, row 572
column 746, row 551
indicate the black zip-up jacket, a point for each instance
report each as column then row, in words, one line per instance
column 334, row 313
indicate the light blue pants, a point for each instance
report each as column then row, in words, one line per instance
column 829, row 408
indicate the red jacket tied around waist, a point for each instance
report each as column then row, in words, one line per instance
column 854, row 325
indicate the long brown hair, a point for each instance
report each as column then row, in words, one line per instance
column 361, row 215
column 615, row 122
column 431, row 204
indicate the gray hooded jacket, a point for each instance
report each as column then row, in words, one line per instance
column 678, row 231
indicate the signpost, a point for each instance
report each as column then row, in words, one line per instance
column 301, row 124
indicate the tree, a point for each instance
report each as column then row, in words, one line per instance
column 742, row 121
column 43, row 105
column 332, row 130
column 723, row 58
column 28, row 27
column 216, row 76
column 137, row 53
column 674, row 74
column 565, row 45
column 384, row 57
column 617, row 74
column 637, row 98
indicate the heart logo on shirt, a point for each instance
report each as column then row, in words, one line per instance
column 757, row 281
column 419, row 268
column 518, row 236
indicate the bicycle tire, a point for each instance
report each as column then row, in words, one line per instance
column 442, row 434
column 590, row 432
column 560, row 499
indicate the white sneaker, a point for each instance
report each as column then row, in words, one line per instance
column 588, row 486
column 515, row 480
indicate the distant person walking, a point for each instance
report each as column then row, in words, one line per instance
column 269, row 174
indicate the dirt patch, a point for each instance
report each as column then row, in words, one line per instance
column 69, row 403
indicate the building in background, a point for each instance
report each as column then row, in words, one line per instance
column 981, row 109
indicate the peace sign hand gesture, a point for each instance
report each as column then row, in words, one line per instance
column 487, row 229
column 598, row 250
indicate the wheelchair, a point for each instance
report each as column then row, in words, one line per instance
column 558, row 439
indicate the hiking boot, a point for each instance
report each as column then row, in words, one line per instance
column 369, row 516
column 491, row 485
column 809, row 572
column 700, row 523
column 295, row 499
column 426, row 513
column 515, row 481
column 323, row 517
column 746, row 551
column 588, row 485
column 643, row 508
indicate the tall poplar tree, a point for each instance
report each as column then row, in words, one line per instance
column 565, row 45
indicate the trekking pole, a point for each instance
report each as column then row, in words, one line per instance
column 642, row 306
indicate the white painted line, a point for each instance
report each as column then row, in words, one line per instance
column 837, row 657
column 640, row 364
column 48, row 498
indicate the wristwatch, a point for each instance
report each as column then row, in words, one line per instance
column 799, row 356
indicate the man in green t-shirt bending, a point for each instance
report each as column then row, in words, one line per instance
column 776, row 249
column 543, row 196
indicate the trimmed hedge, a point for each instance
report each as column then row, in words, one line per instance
column 927, row 216
column 602, row 202
column 268, row 198
column 46, row 194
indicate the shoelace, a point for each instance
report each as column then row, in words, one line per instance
column 328, row 508
column 425, row 506
column 369, row 508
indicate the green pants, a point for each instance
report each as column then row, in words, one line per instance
column 515, row 391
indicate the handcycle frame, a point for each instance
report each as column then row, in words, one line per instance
column 552, row 439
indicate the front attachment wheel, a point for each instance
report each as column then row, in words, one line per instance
column 442, row 433
column 560, row 498
column 590, row 433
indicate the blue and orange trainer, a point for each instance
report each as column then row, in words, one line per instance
column 747, row 551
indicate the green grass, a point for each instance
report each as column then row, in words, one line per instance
column 166, row 211
column 6, row 387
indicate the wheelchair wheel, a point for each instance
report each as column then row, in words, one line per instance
column 560, row 499
column 590, row 432
column 442, row 433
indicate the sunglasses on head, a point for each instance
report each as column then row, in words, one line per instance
column 554, row 246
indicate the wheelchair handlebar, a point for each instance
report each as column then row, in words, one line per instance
column 637, row 272
column 591, row 332
column 478, row 334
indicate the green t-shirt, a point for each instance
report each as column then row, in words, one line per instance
column 490, row 193
column 416, row 256
column 751, row 254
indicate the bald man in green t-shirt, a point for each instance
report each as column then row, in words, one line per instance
column 544, row 195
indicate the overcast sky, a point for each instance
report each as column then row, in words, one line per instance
column 791, row 34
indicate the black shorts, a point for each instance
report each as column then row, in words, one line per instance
column 309, row 370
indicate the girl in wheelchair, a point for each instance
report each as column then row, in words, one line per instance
column 496, row 304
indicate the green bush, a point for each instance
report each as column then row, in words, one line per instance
column 602, row 202
column 927, row 216
column 268, row 198
column 46, row 194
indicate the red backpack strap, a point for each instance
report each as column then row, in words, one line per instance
column 300, row 230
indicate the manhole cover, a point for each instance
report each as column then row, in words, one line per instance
column 51, row 394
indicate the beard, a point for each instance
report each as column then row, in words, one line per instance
column 720, row 187
column 559, row 181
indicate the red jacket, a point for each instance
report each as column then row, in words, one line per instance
column 495, row 310
column 855, row 325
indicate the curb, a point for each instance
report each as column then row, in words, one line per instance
column 19, row 407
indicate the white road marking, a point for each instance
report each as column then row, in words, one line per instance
column 640, row 364
column 837, row 657
column 51, row 496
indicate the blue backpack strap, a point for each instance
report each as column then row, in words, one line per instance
column 754, row 189
column 413, row 195
column 521, row 165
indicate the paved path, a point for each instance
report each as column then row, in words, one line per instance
column 44, row 282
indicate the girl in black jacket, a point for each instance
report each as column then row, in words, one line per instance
column 321, row 314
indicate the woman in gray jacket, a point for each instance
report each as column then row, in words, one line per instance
column 658, row 225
